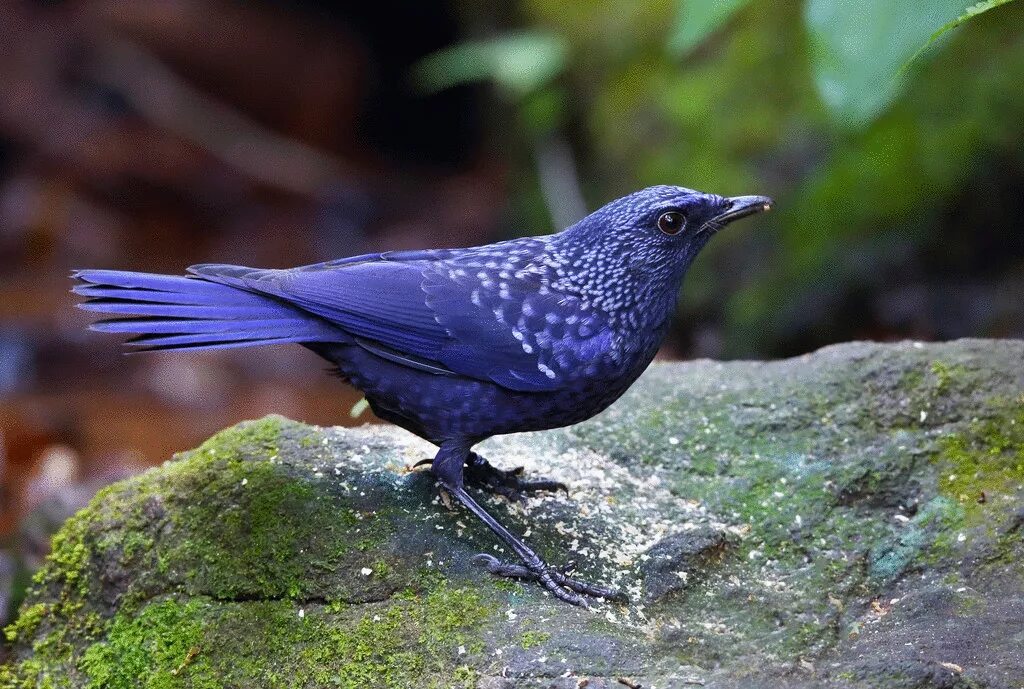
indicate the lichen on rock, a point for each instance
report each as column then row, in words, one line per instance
column 847, row 518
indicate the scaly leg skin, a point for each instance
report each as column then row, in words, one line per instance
column 505, row 569
column 448, row 467
column 481, row 474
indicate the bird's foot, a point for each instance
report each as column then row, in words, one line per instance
column 557, row 581
column 483, row 475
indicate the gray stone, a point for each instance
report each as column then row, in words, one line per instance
column 847, row 518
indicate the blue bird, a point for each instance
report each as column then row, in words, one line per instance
column 457, row 345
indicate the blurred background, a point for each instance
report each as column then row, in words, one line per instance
column 153, row 134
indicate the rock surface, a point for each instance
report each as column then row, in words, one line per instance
column 853, row 517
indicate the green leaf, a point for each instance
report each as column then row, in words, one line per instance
column 698, row 19
column 518, row 63
column 859, row 46
column 969, row 13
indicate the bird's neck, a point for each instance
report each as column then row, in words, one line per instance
column 635, row 299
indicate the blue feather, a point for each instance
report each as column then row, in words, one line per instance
column 178, row 312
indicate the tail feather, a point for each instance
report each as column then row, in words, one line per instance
column 148, row 308
column 189, row 312
column 177, row 326
column 148, row 281
column 94, row 291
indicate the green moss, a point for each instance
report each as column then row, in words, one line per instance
column 969, row 604
column 381, row 568
column 281, row 537
column 1007, row 552
column 979, row 471
column 508, row 585
column 533, row 638
column 27, row 623
column 912, row 379
column 404, row 644
column 69, row 556
column 932, row 380
column 265, row 519
column 464, row 677
column 27, row 675
column 928, row 390
column 985, row 464
column 412, row 640
column 255, row 438
column 946, row 374
column 54, row 629
column 160, row 648
column 277, row 533
column 34, row 673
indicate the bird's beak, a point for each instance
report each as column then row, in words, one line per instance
column 742, row 206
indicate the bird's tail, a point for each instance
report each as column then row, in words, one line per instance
column 178, row 312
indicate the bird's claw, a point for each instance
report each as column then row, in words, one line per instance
column 509, row 484
column 554, row 580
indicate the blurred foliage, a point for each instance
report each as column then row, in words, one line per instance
column 859, row 46
column 518, row 63
column 969, row 13
column 810, row 103
column 521, row 65
column 696, row 19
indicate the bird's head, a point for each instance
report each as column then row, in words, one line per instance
column 667, row 223
column 638, row 247
column 659, row 228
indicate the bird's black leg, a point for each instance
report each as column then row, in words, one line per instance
column 481, row 474
column 448, row 468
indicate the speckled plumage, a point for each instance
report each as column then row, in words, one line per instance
column 455, row 345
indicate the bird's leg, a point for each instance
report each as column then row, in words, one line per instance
column 448, row 468
column 481, row 474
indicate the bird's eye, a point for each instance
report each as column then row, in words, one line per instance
column 670, row 222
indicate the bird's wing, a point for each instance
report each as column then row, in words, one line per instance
column 439, row 317
column 504, row 327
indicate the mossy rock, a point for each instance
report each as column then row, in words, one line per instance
column 848, row 518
